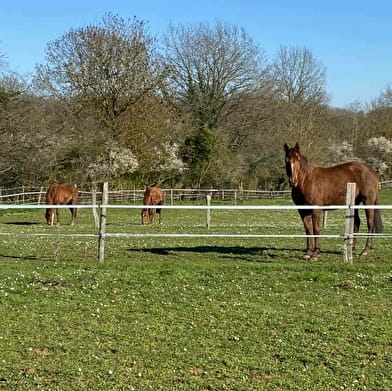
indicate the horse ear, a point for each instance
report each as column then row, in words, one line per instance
column 286, row 147
column 296, row 147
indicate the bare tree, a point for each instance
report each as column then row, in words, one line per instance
column 300, row 85
column 108, row 66
column 211, row 69
column 379, row 117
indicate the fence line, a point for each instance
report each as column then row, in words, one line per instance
column 208, row 208
column 187, row 192
column 34, row 195
column 201, row 207
column 198, row 235
column 172, row 195
column 347, row 236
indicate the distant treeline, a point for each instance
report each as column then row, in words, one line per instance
column 199, row 107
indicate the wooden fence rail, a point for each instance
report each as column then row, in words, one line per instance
column 136, row 195
column 36, row 195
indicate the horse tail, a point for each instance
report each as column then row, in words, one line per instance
column 378, row 225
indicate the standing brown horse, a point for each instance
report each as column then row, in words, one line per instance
column 152, row 196
column 66, row 194
column 314, row 185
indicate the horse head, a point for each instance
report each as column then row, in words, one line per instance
column 292, row 160
column 49, row 216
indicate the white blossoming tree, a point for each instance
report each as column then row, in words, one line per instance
column 380, row 155
column 117, row 161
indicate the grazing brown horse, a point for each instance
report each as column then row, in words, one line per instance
column 66, row 194
column 152, row 196
column 315, row 185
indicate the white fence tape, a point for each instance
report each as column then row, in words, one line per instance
column 216, row 207
column 199, row 207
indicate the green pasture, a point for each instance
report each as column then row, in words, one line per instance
column 191, row 313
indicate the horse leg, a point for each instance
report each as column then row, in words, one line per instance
column 159, row 211
column 370, row 226
column 308, row 225
column 357, row 223
column 51, row 216
column 73, row 211
column 73, row 214
column 57, row 217
column 316, row 220
column 152, row 215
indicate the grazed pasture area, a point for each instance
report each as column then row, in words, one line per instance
column 191, row 314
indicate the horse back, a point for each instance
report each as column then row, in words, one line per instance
column 362, row 174
column 62, row 194
column 153, row 196
column 328, row 185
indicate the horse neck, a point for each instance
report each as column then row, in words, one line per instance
column 306, row 170
column 148, row 200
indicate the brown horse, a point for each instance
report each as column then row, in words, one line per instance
column 152, row 196
column 314, row 185
column 66, row 194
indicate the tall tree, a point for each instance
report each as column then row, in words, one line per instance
column 211, row 68
column 108, row 66
column 379, row 117
column 300, row 85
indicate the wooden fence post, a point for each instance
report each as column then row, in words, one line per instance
column 349, row 224
column 325, row 218
column 102, row 224
column 40, row 195
column 94, row 201
column 208, row 211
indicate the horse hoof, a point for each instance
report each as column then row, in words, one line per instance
column 307, row 256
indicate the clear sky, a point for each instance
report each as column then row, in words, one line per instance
column 352, row 39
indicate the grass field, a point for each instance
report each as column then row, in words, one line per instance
column 191, row 313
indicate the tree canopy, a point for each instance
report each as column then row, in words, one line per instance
column 201, row 105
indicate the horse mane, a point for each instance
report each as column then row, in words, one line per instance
column 306, row 165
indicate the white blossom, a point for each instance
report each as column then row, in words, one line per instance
column 380, row 152
column 116, row 161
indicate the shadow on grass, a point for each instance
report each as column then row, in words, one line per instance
column 269, row 254
column 19, row 257
column 22, row 223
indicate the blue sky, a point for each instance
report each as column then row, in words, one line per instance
column 352, row 39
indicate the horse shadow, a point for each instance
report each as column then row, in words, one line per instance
column 20, row 257
column 27, row 223
column 250, row 254
column 247, row 254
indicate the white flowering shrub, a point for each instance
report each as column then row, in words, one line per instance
column 116, row 160
column 342, row 152
column 169, row 157
column 380, row 155
column 380, row 145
